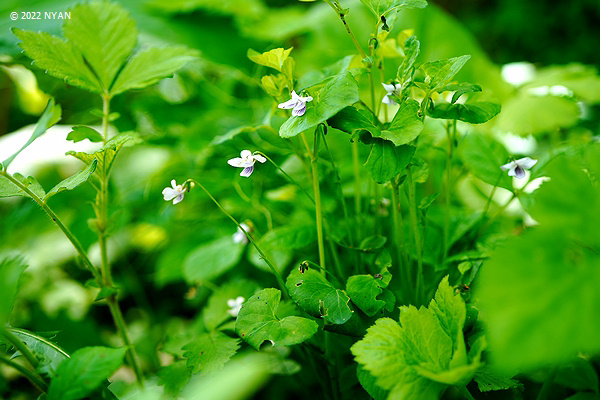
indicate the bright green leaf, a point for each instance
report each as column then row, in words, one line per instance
column 411, row 51
column 257, row 322
column 386, row 160
column 273, row 58
column 85, row 371
column 10, row 273
column 73, row 181
column 339, row 92
column 319, row 298
column 10, row 189
column 82, row 132
column 473, row 113
column 484, row 156
column 210, row 260
column 383, row 7
column 215, row 311
column 489, row 380
column 440, row 73
column 363, row 291
column 209, row 352
column 406, row 125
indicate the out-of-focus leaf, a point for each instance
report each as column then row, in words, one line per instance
column 174, row 377
column 50, row 116
column 11, row 269
column 583, row 80
column 73, row 181
column 82, row 132
column 386, row 160
column 367, row 381
column 339, row 92
column 473, row 113
column 440, row 73
column 209, row 352
column 578, row 374
column 210, row 260
column 215, row 312
column 488, row 380
column 315, row 295
column 85, row 371
column 257, row 322
column 484, row 156
column 273, row 58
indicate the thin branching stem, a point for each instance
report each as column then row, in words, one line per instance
column 34, row 379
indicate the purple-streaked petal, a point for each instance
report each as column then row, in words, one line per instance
column 299, row 110
column 178, row 198
column 240, row 162
column 259, row 158
column 246, row 172
column 510, row 165
column 295, row 95
column 169, row 194
column 526, row 162
column 288, row 104
column 519, row 172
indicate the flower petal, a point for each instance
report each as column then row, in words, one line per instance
column 246, row 172
column 526, row 162
column 519, row 172
column 174, row 183
column 245, row 154
column 168, row 193
column 295, row 95
column 388, row 100
column 299, row 110
column 288, row 104
column 259, row 158
column 240, row 162
column 389, row 87
column 510, row 165
column 178, row 198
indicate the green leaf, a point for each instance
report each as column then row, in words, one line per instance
column 210, row 260
column 148, row 67
column 440, row 73
column 81, row 132
column 484, row 156
column 209, row 352
column 411, row 51
column 294, row 236
column 174, row 377
column 315, row 295
column 363, row 291
column 73, row 181
column 578, row 374
column 367, row 381
column 108, row 153
column 372, row 243
column 85, row 371
column 474, row 113
column 273, row 58
column 352, row 120
column 215, row 311
column 383, row 7
column 11, row 269
column 48, row 353
column 257, row 322
column 583, row 80
column 386, row 160
column 9, row 189
column 489, row 380
column 406, row 125
column 59, row 58
column 459, row 89
column 341, row 91
column 104, row 34
column 50, row 116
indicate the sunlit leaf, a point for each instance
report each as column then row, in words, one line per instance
column 82, row 132
column 440, row 73
column 273, row 58
column 473, row 113
column 210, row 260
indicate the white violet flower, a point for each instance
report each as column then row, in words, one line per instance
column 235, row 305
column 240, row 236
column 246, row 161
column 297, row 103
column 175, row 193
column 391, row 89
column 517, row 168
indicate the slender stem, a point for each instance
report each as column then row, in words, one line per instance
column 490, row 198
column 466, row 393
column 262, row 254
column 20, row 346
column 372, row 77
column 357, row 188
column 404, row 267
column 78, row 247
column 416, row 232
column 292, row 180
column 35, row 380
column 450, row 137
column 377, row 199
column 117, row 315
column 339, row 11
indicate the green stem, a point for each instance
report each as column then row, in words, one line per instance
column 286, row 175
column 35, row 380
column 331, row 367
column 357, row 188
column 20, row 346
column 339, row 11
column 465, row 392
column 404, row 267
column 240, row 227
column 78, row 247
column 415, row 226
column 448, row 189
column 117, row 315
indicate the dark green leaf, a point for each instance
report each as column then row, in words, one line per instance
column 367, row 381
column 473, row 113
column 82, row 132
column 257, row 322
column 174, row 377
column 386, row 160
column 73, row 181
column 489, row 380
column 484, row 156
column 363, row 291
column 578, row 375
column 209, row 352
column 48, row 353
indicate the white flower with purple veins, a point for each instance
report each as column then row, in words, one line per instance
column 175, row 193
column 517, row 168
column 240, row 236
column 392, row 89
column 297, row 104
column 246, row 161
column 235, row 305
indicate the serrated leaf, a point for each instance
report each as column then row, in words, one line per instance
column 363, row 291
column 82, row 132
column 149, row 66
column 488, row 380
column 107, row 154
column 257, row 322
column 11, row 269
column 59, row 58
column 341, row 91
column 484, row 156
column 411, row 52
column 85, row 371
column 440, row 73
column 474, row 113
column 174, row 377
column 383, row 7
column 215, row 311
column 9, row 189
column 50, row 116
column 73, row 181
column 273, row 58
column 209, row 352
column 319, row 298
column 386, row 160
column 105, row 36
column 48, row 353
column 210, row 260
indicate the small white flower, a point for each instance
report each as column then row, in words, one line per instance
column 175, row 193
column 246, row 161
column 240, row 236
column 297, row 103
column 517, row 168
column 391, row 89
column 235, row 305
